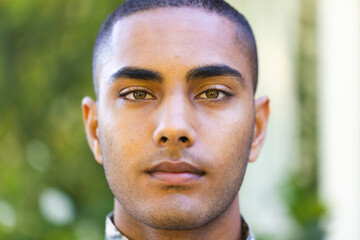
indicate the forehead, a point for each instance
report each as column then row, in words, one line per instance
column 170, row 23
column 165, row 37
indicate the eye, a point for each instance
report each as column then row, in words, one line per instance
column 136, row 95
column 212, row 94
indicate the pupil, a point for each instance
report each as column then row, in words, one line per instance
column 212, row 94
column 139, row 95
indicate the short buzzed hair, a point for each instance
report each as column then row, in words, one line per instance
column 220, row 7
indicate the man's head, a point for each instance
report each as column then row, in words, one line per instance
column 175, row 121
column 219, row 7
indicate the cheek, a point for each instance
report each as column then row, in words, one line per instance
column 229, row 137
column 118, row 158
column 231, row 126
column 124, row 145
column 127, row 130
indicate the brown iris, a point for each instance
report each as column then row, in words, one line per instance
column 211, row 93
column 139, row 95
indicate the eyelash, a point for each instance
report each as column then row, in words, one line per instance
column 226, row 97
column 129, row 91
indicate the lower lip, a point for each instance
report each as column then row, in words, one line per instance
column 175, row 178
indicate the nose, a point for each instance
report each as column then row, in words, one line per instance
column 174, row 124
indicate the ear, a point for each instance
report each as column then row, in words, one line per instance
column 89, row 112
column 261, row 120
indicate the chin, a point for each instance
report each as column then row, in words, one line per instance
column 175, row 220
column 180, row 215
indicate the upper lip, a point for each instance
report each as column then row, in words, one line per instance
column 175, row 167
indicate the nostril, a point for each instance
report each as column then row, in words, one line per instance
column 163, row 139
column 184, row 139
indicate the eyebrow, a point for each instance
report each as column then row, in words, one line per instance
column 218, row 70
column 197, row 73
column 136, row 73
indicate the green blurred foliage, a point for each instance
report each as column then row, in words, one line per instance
column 305, row 207
column 300, row 191
column 45, row 70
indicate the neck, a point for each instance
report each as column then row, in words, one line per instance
column 226, row 226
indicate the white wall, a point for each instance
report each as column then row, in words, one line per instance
column 339, row 111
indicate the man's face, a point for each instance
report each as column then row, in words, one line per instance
column 175, row 118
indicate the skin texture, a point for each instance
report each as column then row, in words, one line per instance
column 138, row 123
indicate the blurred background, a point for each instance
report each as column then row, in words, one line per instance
column 304, row 186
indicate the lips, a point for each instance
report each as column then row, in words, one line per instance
column 175, row 173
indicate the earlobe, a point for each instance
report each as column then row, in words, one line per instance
column 262, row 112
column 89, row 112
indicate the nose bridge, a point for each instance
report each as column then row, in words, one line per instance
column 174, row 125
column 174, row 109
